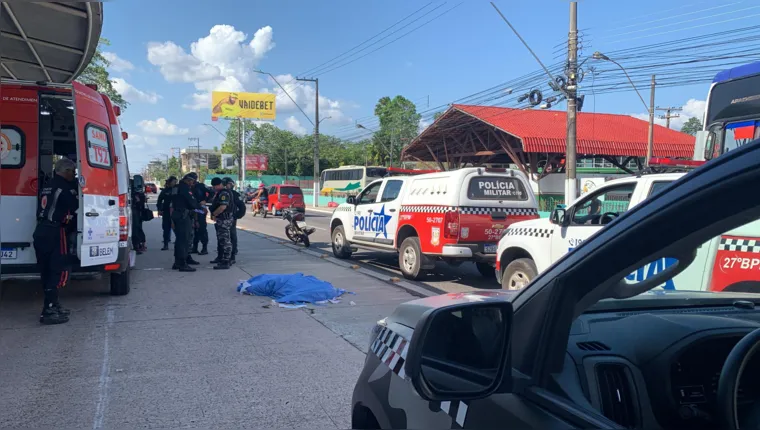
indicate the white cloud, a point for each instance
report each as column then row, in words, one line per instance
column 138, row 141
column 118, row 64
column 221, row 61
column 305, row 96
column 132, row 94
column 161, row 127
column 692, row 108
column 423, row 125
column 292, row 124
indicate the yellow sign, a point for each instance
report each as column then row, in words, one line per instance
column 242, row 105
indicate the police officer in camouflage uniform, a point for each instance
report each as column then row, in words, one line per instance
column 223, row 213
column 238, row 201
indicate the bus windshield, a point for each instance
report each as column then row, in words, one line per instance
column 733, row 112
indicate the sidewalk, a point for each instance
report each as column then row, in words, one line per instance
column 186, row 350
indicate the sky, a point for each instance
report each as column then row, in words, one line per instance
column 168, row 55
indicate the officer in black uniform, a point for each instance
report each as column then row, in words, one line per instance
column 200, row 233
column 183, row 203
column 222, row 212
column 238, row 201
column 56, row 219
column 164, row 209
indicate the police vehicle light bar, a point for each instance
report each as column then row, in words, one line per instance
column 670, row 162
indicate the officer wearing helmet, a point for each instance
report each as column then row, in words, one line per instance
column 182, row 206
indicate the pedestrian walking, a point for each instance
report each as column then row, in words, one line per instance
column 164, row 210
column 56, row 219
column 183, row 203
column 238, row 203
column 222, row 212
column 138, row 207
column 202, row 195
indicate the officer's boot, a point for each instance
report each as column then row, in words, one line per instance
column 216, row 260
column 166, row 246
column 62, row 310
column 191, row 261
column 186, row 268
column 222, row 265
column 204, row 250
column 50, row 315
column 232, row 260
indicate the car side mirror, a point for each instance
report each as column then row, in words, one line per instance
column 351, row 200
column 557, row 216
column 461, row 352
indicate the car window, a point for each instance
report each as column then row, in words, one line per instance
column 286, row 191
column 369, row 195
column 273, row 190
column 496, row 188
column 602, row 207
column 658, row 186
column 391, row 190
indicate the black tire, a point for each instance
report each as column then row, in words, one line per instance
column 290, row 235
column 342, row 251
column 518, row 274
column 485, row 269
column 263, row 213
column 410, row 258
column 120, row 284
column 306, row 241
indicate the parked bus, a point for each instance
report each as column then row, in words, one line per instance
column 348, row 179
column 732, row 113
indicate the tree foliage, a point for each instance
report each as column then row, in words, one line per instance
column 97, row 73
column 692, row 126
column 399, row 124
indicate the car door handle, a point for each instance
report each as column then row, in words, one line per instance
column 392, row 210
column 92, row 214
column 369, row 211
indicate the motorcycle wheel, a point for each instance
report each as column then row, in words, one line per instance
column 306, row 242
column 290, row 235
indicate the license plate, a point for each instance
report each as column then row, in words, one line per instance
column 301, row 224
column 490, row 249
column 9, row 253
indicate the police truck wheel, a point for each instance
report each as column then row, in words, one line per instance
column 487, row 270
column 410, row 258
column 120, row 283
column 340, row 246
column 519, row 274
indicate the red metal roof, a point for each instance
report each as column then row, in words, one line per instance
column 597, row 133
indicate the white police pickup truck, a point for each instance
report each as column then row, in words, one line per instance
column 528, row 248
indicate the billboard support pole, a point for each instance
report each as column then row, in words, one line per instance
column 242, row 166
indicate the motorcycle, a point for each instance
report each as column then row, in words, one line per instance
column 297, row 230
column 260, row 207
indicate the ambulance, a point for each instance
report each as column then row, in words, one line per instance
column 452, row 216
column 726, row 263
column 40, row 123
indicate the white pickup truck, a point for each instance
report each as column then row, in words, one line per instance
column 528, row 248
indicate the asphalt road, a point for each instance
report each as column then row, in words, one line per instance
column 186, row 350
column 444, row 278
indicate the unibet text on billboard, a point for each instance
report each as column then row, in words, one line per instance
column 243, row 105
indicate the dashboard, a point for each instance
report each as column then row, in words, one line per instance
column 649, row 369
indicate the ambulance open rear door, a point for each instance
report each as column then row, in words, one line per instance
column 98, row 216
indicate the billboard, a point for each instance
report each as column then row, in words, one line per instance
column 258, row 162
column 242, row 105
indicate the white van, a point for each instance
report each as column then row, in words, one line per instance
column 453, row 216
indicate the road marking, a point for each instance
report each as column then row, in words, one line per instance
column 105, row 380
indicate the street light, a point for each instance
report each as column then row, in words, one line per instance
column 320, row 121
column 389, row 148
column 650, row 109
column 216, row 129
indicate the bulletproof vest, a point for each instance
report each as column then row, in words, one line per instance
column 49, row 207
column 230, row 202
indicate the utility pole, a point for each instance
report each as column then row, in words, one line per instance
column 668, row 116
column 572, row 111
column 241, row 165
column 316, row 139
column 650, row 140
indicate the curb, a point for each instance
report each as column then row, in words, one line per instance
column 415, row 290
column 324, row 211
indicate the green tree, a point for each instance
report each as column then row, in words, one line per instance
column 399, row 123
column 173, row 168
column 437, row 115
column 692, row 126
column 97, row 73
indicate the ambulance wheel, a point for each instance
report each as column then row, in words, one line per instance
column 410, row 258
column 340, row 246
column 487, row 270
column 120, row 283
column 518, row 274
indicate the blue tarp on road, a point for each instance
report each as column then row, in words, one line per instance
column 292, row 288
